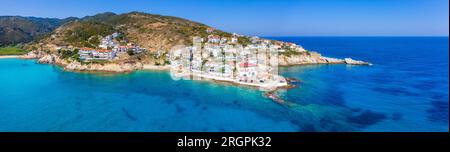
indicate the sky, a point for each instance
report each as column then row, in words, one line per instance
column 268, row 17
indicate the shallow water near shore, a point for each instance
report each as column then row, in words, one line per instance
column 406, row 90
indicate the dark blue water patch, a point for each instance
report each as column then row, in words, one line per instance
column 356, row 109
column 179, row 109
column 316, row 121
column 384, row 77
column 142, row 91
column 396, row 116
column 78, row 105
column 126, row 96
column 439, row 111
column 197, row 104
column 186, row 93
column 169, row 100
column 334, row 97
column 396, row 91
column 328, row 123
column 425, row 85
column 424, row 74
column 366, row 118
column 439, row 96
column 308, row 128
column 302, row 127
column 80, row 116
column 236, row 102
column 229, row 104
column 105, row 101
column 128, row 114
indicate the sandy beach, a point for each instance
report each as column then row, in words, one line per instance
column 154, row 67
column 8, row 56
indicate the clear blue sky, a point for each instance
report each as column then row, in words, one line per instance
column 268, row 17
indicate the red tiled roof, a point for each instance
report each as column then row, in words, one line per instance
column 246, row 64
column 103, row 51
column 86, row 48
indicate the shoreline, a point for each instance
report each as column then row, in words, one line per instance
column 267, row 89
column 149, row 67
column 9, row 56
column 155, row 67
column 271, row 86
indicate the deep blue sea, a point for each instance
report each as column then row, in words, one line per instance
column 407, row 89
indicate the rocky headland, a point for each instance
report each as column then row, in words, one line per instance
column 156, row 33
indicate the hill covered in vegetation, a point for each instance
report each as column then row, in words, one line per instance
column 154, row 32
column 17, row 29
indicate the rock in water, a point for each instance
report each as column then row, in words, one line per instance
column 355, row 62
column 274, row 97
column 49, row 59
column 291, row 80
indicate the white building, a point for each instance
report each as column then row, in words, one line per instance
column 247, row 72
column 103, row 55
column 213, row 39
column 93, row 54
column 234, row 40
column 85, row 53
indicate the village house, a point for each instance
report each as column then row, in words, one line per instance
column 103, row 55
column 108, row 42
column 247, row 72
column 93, row 54
column 255, row 40
column 197, row 59
column 234, row 40
column 85, row 53
column 236, row 35
column 213, row 39
column 229, row 70
column 223, row 40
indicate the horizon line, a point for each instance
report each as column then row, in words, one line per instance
column 361, row 36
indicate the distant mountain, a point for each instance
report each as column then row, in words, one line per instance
column 17, row 29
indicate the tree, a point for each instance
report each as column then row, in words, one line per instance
column 130, row 52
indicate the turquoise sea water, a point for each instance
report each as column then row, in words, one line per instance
column 406, row 90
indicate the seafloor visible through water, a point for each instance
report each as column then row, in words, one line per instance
column 406, row 90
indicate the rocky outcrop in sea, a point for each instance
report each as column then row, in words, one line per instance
column 48, row 59
column 355, row 62
column 315, row 58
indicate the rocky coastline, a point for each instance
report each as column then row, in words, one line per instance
column 110, row 67
column 71, row 65
column 316, row 59
column 124, row 67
